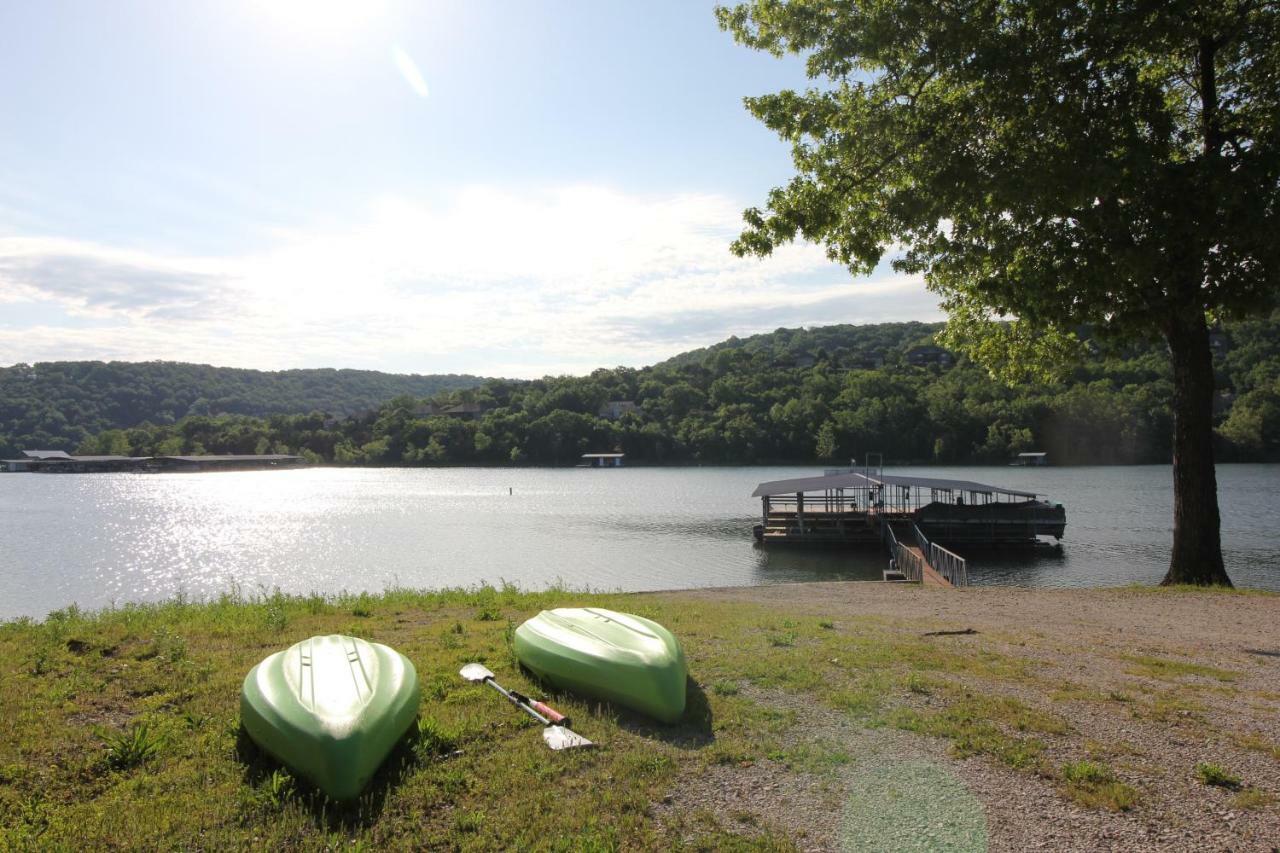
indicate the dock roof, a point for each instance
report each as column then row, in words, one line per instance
column 863, row 481
column 234, row 457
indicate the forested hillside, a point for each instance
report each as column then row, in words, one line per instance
column 57, row 405
column 789, row 396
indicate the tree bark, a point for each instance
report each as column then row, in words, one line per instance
column 1197, row 544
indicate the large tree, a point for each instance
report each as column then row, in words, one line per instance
column 1106, row 162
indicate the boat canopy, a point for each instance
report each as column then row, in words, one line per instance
column 867, row 481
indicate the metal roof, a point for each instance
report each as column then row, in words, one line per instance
column 234, row 457
column 603, row 455
column 812, row 484
column 861, row 481
column 46, row 454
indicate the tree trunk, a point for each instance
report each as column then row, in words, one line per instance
column 1197, row 545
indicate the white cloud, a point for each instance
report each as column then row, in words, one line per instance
column 486, row 280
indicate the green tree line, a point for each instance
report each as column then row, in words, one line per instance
column 759, row 400
column 60, row 405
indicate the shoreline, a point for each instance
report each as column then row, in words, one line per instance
column 1062, row 719
column 745, row 593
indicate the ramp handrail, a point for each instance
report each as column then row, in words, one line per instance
column 947, row 563
column 908, row 563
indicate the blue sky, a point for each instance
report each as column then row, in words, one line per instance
column 499, row 188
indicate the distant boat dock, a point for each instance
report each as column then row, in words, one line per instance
column 918, row 519
column 61, row 462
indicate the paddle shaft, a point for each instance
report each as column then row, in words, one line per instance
column 530, row 707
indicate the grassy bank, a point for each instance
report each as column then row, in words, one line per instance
column 120, row 728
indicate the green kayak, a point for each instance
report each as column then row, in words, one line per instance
column 331, row 708
column 622, row 658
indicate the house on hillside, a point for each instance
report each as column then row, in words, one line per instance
column 1034, row 458
column 867, row 361
column 802, row 359
column 465, row 411
column 601, row 460
column 615, row 409
column 927, row 355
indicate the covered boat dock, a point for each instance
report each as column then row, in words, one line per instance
column 852, row 507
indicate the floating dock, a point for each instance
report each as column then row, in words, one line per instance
column 919, row 519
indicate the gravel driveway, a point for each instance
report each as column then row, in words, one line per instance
column 1152, row 682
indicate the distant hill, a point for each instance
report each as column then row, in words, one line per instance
column 56, row 405
column 841, row 344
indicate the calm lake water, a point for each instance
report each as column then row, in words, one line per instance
column 99, row 539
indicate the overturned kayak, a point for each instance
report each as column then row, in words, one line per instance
column 331, row 708
column 622, row 658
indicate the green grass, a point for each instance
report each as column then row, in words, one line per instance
column 1251, row 799
column 120, row 728
column 1094, row 785
column 1216, row 776
column 1172, row 670
column 1192, row 589
column 983, row 725
column 132, row 747
column 1257, row 743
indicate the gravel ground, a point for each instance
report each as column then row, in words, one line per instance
column 1152, row 728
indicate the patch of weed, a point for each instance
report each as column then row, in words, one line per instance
column 279, row 787
column 918, row 684
column 972, row 734
column 1251, row 799
column 434, row 739
column 134, row 746
column 1170, row 707
column 1171, row 670
column 1257, row 743
column 1094, row 785
column 1217, row 776
column 468, row 821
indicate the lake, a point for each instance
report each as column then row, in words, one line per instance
column 102, row 539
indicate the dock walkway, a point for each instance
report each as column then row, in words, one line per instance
column 906, row 550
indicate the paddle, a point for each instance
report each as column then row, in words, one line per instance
column 555, row 729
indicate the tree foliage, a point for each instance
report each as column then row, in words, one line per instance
column 1112, row 163
column 57, row 405
column 759, row 400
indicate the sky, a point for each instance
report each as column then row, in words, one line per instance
column 494, row 187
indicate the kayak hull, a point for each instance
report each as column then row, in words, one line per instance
column 331, row 709
column 618, row 657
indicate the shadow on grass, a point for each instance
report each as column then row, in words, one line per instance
column 692, row 731
column 260, row 769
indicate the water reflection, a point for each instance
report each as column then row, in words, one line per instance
column 98, row 539
column 776, row 565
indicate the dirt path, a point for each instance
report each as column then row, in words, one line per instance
column 1152, row 684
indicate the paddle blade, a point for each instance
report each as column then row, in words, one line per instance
column 558, row 737
column 475, row 672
